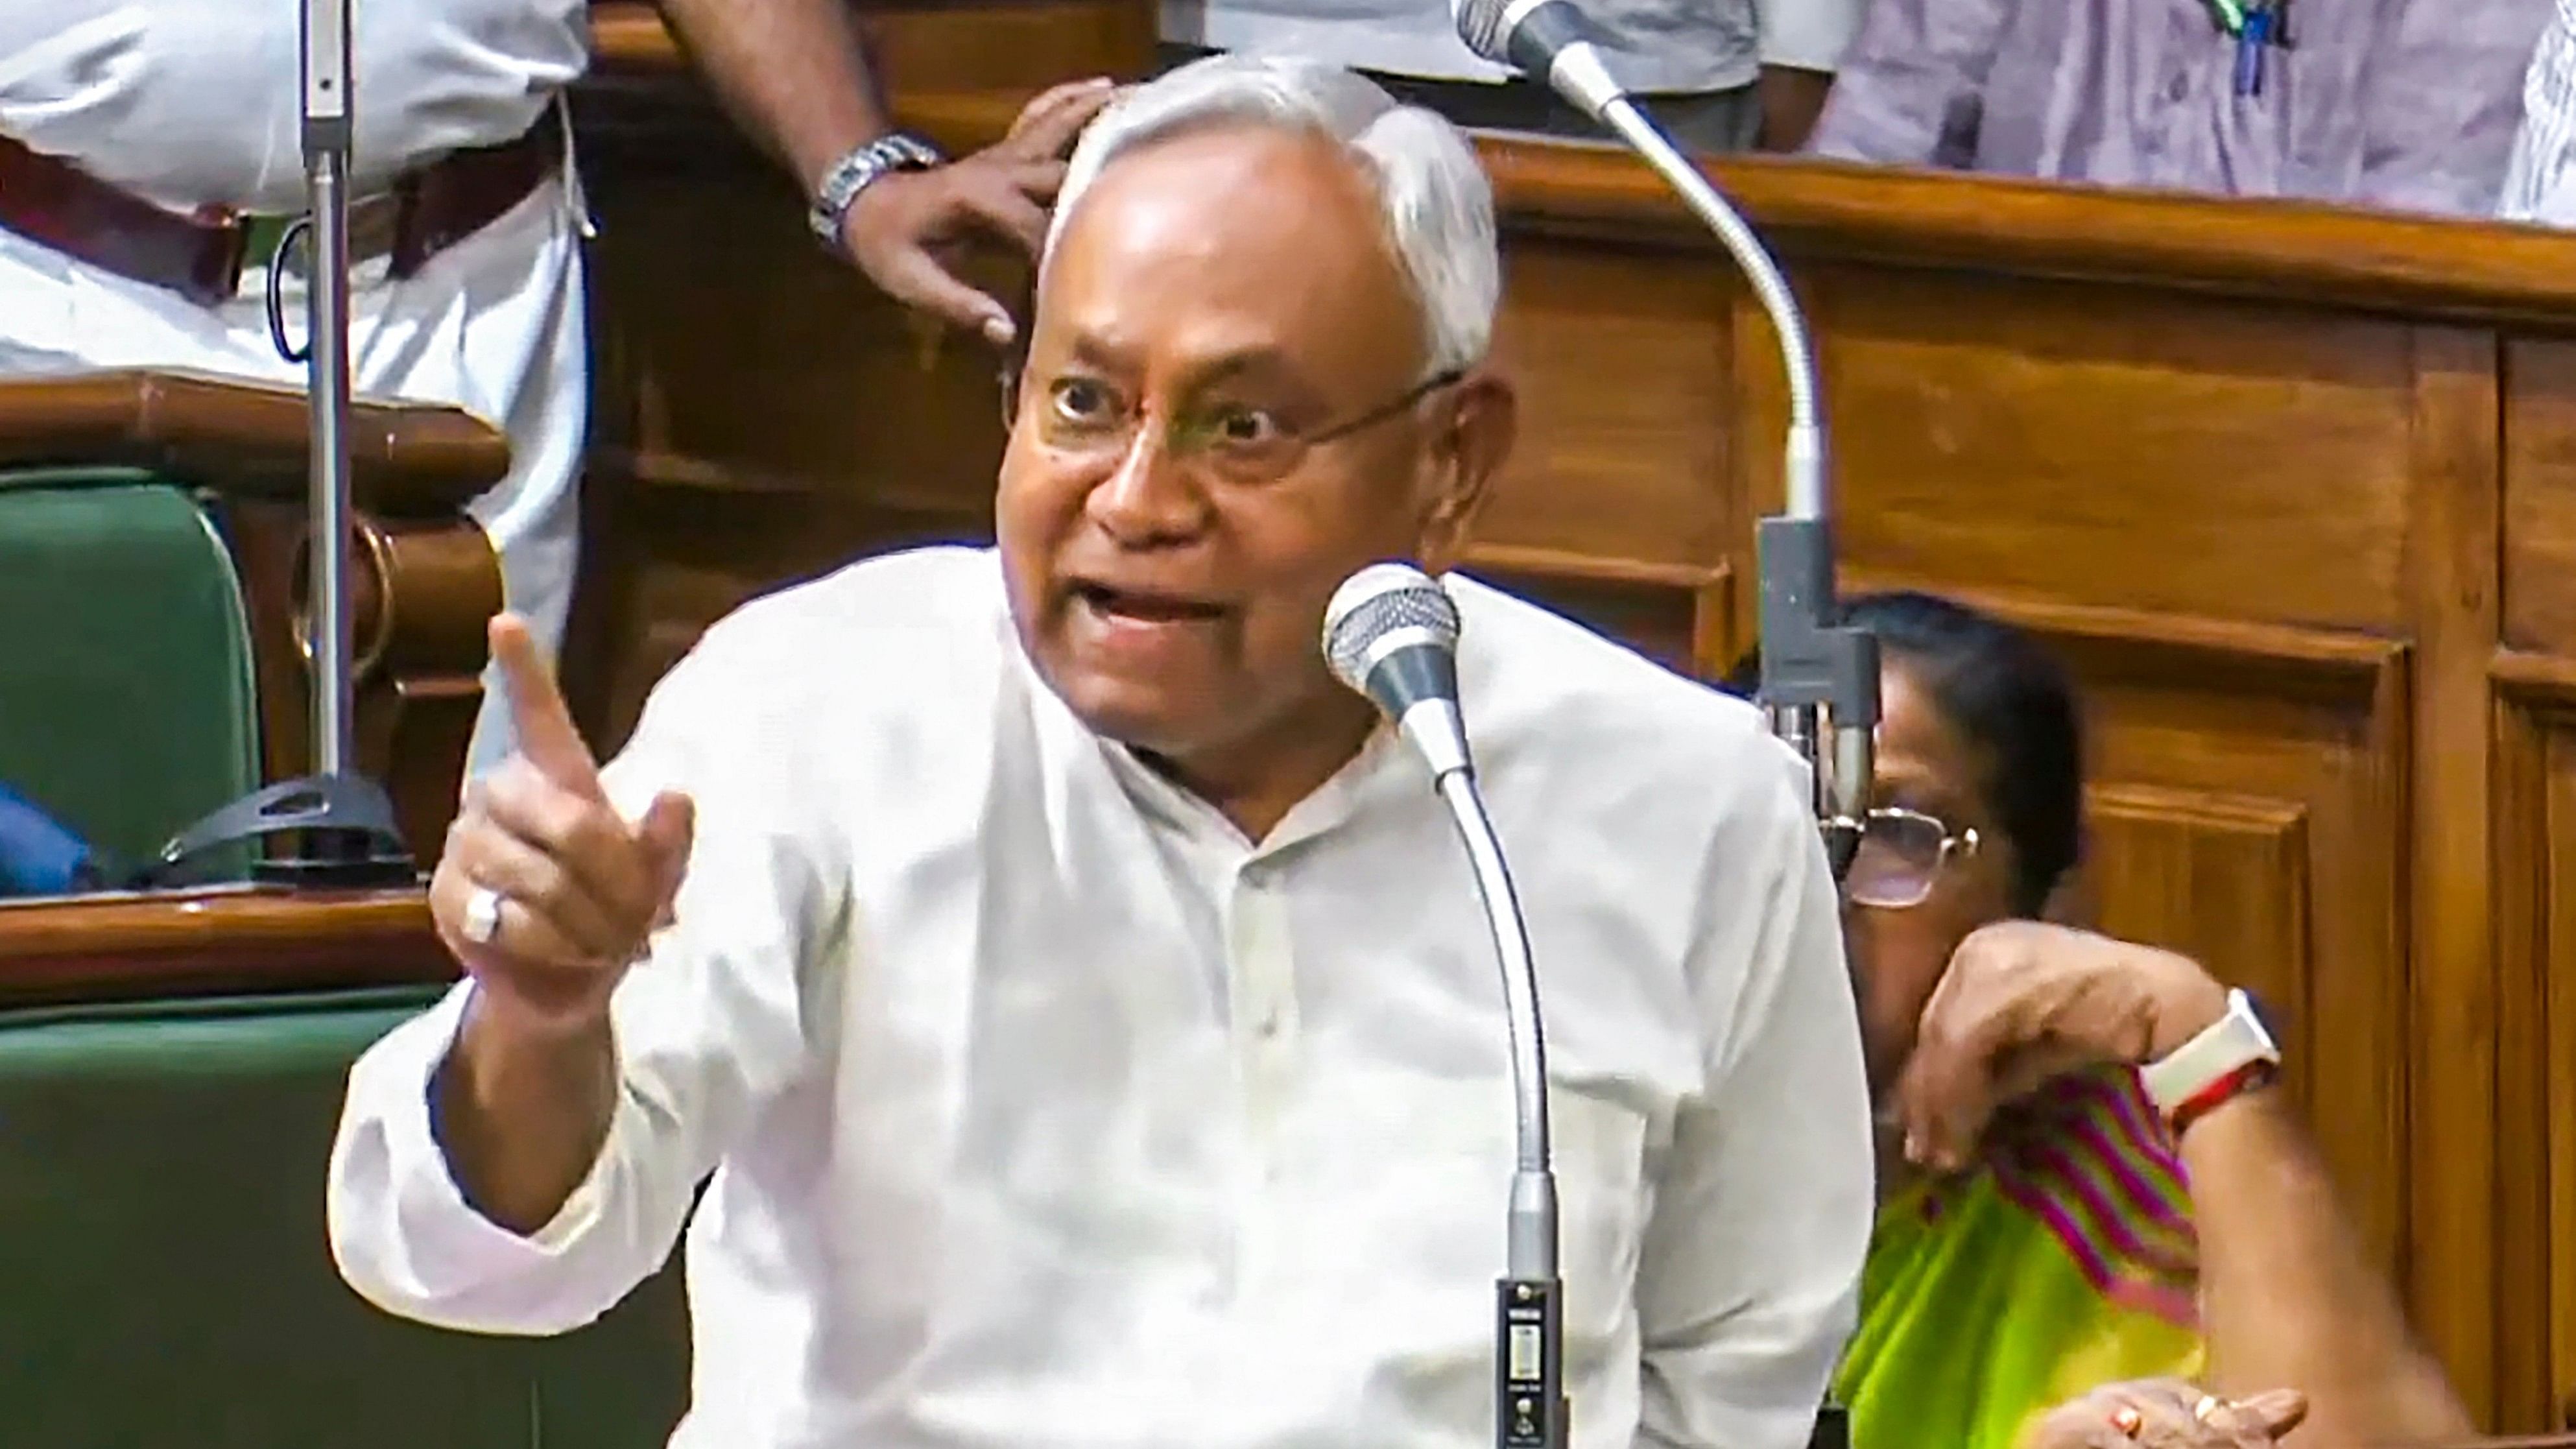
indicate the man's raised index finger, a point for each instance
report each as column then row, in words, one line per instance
column 539, row 717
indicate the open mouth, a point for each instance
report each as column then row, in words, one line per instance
column 1131, row 606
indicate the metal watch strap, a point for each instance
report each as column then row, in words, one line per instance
column 854, row 173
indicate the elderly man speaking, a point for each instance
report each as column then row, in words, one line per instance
column 1072, row 1000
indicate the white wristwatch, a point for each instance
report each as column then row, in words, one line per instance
column 2232, row 1052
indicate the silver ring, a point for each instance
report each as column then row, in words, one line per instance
column 482, row 916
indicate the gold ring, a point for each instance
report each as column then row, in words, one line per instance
column 2206, row 1411
column 2128, row 1420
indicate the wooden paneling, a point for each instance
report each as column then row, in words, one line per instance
column 2003, row 431
column 1638, row 473
column 2222, row 878
column 2540, row 466
column 2453, row 594
column 2535, row 845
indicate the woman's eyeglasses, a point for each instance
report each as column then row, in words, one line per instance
column 1900, row 858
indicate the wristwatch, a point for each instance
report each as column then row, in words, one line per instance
column 2234, row 1054
column 854, row 173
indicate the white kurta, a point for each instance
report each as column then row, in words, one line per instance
column 2540, row 179
column 189, row 102
column 1043, row 1108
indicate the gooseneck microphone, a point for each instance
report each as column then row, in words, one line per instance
column 1814, row 671
column 1391, row 633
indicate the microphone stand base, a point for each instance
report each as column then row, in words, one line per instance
column 344, row 828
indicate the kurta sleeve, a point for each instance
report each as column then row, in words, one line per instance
column 708, row 1027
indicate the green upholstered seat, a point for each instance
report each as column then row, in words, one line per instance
column 167, row 1282
column 127, row 704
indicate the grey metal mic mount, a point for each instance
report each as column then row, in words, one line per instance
column 1819, row 676
column 342, row 821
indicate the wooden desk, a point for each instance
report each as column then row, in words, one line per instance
column 225, row 941
column 2289, row 486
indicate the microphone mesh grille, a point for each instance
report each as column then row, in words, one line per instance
column 1480, row 25
column 1421, row 605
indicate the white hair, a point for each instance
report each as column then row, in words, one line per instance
column 1431, row 190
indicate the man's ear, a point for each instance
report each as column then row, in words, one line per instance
column 1468, row 454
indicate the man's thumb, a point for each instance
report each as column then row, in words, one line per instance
column 2275, row 1411
column 670, row 823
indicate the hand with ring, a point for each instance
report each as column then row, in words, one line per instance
column 545, row 893
column 2167, row 1414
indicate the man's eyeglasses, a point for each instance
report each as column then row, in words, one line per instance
column 1900, row 858
column 1236, row 441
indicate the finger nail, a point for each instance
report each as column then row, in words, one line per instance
column 999, row 331
column 1098, row 83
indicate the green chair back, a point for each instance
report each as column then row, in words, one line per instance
column 128, row 708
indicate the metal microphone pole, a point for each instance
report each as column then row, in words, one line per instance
column 326, row 172
column 1530, row 1410
column 1391, row 634
column 1818, row 676
column 344, row 820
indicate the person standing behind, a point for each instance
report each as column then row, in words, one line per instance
column 150, row 163
column 2405, row 104
column 1721, row 75
column 2540, row 181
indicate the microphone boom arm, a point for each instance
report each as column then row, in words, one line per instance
column 1818, row 675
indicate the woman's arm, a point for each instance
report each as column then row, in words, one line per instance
column 2289, row 1300
column 2287, row 1295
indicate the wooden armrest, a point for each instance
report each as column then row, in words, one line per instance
column 245, row 440
column 221, row 941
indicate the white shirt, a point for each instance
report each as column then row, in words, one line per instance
column 1045, row 1110
column 1662, row 46
column 191, row 102
column 2540, row 179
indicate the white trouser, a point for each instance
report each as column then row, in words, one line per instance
column 493, row 325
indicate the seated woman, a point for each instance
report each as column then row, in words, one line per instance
column 2058, row 1262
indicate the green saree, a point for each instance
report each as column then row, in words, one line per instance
column 2064, row 1262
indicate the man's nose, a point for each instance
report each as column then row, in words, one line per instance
column 1149, row 498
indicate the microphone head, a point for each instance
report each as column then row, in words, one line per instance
column 1485, row 26
column 1380, row 609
